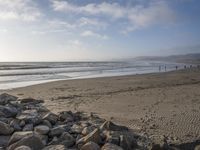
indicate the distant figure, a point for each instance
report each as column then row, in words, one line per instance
column 159, row 68
column 176, row 67
column 190, row 66
column 185, row 67
column 165, row 68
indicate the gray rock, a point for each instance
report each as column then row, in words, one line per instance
column 4, row 140
column 23, row 148
column 66, row 116
column 57, row 131
column 5, row 129
column 67, row 140
column 6, row 98
column 90, row 146
column 41, row 129
column 76, row 129
column 55, row 147
column 43, row 138
column 28, row 127
column 8, row 111
column 18, row 136
column 15, row 123
column 51, row 117
column 33, row 141
column 47, row 123
column 109, row 146
column 30, row 116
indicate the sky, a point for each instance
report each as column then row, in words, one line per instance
column 77, row 30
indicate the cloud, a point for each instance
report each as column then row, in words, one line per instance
column 89, row 33
column 24, row 10
column 137, row 16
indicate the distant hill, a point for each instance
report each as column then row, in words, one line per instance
column 187, row 58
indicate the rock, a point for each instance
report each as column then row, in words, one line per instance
column 87, row 130
column 43, row 138
column 55, row 147
column 30, row 116
column 8, row 111
column 5, row 129
column 108, row 125
column 66, row 116
column 76, row 129
column 33, row 141
column 67, row 140
column 51, row 118
column 57, row 131
column 23, row 148
column 30, row 100
column 28, row 127
column 47, row 123
column 41, row 129
column 90, row 146
column 18, row 136
column 22, row 123
column 109, row 146
column 6, row 98
column 94, row 136
column 15, row 124
column 4, row 140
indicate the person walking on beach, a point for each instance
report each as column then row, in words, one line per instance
column 165, row 68
column 159, row 68
column 176, row 67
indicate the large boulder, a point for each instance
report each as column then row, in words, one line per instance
column 8, row 111
column 18, row 136
column 109, row 146
column 51, row 117
column 41, row 129
column 57, row 131
column 5, row 129
column 30, row 116
column 66, row 139
column 6, row 98
column 90, row 146
column 33, row 141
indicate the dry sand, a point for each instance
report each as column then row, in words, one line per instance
column 157, row 104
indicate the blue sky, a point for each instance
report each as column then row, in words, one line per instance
column 66, row 30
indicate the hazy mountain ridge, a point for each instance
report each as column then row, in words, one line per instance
column 186, row 58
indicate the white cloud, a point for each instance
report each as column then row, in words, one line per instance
column 89, row 33
column 137, row 16
column 24, row 10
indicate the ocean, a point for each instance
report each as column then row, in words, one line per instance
column 20, row 74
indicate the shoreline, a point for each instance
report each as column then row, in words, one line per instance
column 156, row 103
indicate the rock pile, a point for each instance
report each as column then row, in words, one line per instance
column 25, row 124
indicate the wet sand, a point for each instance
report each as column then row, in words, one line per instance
column 159, row 104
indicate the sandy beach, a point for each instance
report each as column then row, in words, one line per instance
column 160, row 104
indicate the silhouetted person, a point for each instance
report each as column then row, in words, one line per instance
column 190, row 66
column 176, row 67
column 185, row 67
column 165, row 68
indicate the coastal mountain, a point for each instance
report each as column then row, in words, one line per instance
column 186, row 58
